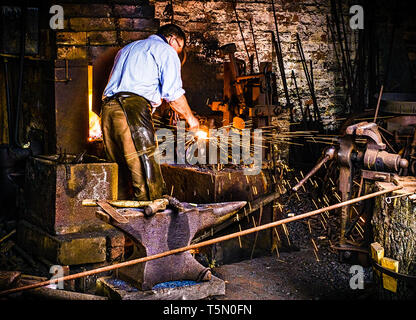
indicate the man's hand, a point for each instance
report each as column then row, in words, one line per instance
column 193, row 123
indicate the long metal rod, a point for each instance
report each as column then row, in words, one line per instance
column 254, row 43
column 21, row 74
column 378, row 103
column 241, row 30
column 8, row 103
column 201, row 244
column 312, row 172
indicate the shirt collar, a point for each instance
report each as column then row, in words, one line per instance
column 162, row 37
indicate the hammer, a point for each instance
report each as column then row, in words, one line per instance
column 149, row 207
column 155, row 206
column 160, row 204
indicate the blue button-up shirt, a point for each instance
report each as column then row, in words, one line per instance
column 150, row 68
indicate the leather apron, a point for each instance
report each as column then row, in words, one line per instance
column 139, row 119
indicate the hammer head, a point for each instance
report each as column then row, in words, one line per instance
column 228, row 48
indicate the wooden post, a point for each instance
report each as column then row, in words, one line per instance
column 394, row 228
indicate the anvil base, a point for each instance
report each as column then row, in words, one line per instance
column 117, row 289
column 73, row 248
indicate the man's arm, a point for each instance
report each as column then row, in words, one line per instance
column 181, row 106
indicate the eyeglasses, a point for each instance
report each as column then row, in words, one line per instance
column 179, row 45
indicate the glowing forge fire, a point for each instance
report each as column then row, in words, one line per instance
column 94, row 120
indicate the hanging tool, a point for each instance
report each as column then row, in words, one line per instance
column 378, row 103
column 308, row 80
column 340, row 65
column 250, row 20
column 305, row 121
column 347, row 68
column 344, row 36
column 239, row 27
column 8, row 103
column 279, row 54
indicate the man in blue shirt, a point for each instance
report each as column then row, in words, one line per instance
column 144, row 73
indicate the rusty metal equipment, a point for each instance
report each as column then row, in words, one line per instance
column 69, row 121
column 245, row 95
column 360, row 148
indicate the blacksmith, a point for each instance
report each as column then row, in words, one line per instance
column 144, row 73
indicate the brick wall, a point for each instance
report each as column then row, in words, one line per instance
column 90, row 29
column 211, row 23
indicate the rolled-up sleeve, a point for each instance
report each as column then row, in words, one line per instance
column 170, row 77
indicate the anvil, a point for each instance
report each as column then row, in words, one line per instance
column 167, row 230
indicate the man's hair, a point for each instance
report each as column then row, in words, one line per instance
column 172, row 30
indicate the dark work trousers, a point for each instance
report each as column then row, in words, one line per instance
column 130, row 141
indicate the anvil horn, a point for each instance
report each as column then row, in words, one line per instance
column 224, row 208
column 222, row 211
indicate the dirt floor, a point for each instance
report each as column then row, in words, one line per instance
column 292, row 276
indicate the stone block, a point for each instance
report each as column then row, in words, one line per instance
column 129, row 36
column 55, row 192
column 102, row 37
column 115, row 253
column 120, row 290
column 136, row 11
column 92, row 24
column 125, row 24
column 138, row 24
column 69, row 249
column 115, row 245
column 146, row 24
column 86, row 10
column 71, row 38
column 71, row 53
